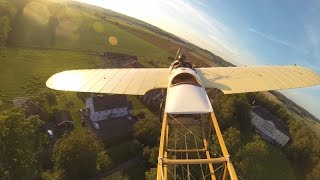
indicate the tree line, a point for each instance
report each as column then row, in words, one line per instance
column 303, row 149
column 26, row 152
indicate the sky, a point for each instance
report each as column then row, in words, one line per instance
column 251, row 32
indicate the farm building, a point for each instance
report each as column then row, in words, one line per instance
column 63, row 121
column 33, row 109
column 106, row 107
column 269, row 127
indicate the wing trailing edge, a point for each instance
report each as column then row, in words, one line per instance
column 231, row 80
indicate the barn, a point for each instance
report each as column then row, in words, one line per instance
column 106, row 107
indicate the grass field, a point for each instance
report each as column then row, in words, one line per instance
column 23, row 71
column 68, row 27
column 170, row 46
column 140, row 107
column 50, row 40
column 63, row 31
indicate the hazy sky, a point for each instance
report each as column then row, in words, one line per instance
column 263, row 32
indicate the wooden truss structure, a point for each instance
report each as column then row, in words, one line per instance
column 188, row 149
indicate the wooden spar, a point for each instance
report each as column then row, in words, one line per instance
column 186, row 150
column 194, row 161
column 160, row 172
column 225, row 152
column 213, row 177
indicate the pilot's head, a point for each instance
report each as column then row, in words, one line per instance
column 182, row 57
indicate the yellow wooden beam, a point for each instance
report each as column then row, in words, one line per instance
column 160, row 173
column 165, row 167
column 225, row 152
column 186, row 150
column 194, row 161
column 205, row 142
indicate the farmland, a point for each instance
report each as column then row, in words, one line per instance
column 60, row 37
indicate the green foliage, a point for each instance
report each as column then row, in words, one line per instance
column 51, row 98
column 52, row 175
column 224, row 109
column 231, row 110
column 147, row 131
column 315, row 173
column 151, row 174
column 248, row 156
column 4, row 30
column 21, row 142
column 121, row 152
column 79, row 155
column 232, row 139
column 304, row 149
column 151, row 155
column 242, row 112
column 141, row 115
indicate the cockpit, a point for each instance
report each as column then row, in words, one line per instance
column 182, row 62
column 185, row 78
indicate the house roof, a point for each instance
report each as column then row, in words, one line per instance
column 19, row 101
column 101, row 103
column 32, row 108
column 279, row 124
column 62, row 116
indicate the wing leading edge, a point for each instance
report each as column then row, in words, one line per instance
column 231, row 80
column 115, row 81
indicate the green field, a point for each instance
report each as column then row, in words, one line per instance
column 50, row 40
column 67, row 27
column 23, row 71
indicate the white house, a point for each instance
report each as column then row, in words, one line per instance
column 105, row 107
column 269, row 127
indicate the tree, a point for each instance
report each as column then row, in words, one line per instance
column 242, row 113
column 79, row 155
column 232, row 139
column 151, row 174
column 147, row 131
column 315, row 173
column 225, row 110
column 4, row 30
column 151, row 155
column 21, row 142
column 51, row 98
column 248, row 156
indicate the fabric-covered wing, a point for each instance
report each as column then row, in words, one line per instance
column 232, row 80
column 114, row 81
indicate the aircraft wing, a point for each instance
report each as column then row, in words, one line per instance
column 115, row 81
column 232, row 80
